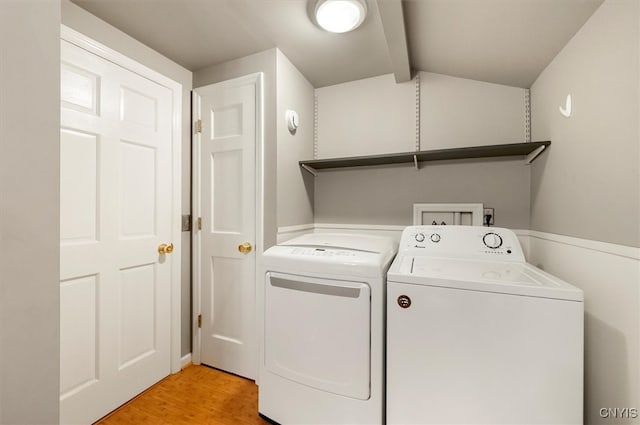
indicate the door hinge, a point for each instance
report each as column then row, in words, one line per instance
column 199, row 223
column 197, row 126
column 186, row 222
column 199, row 320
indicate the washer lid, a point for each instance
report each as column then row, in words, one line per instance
column 501, row 277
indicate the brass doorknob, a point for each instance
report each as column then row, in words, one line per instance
column 164, row 248
column 245, row 248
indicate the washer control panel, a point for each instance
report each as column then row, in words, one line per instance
column 462, row 242
column 433, row 237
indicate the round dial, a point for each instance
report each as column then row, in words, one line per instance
column 435, row 238
column 492, row 240
column 420, row 237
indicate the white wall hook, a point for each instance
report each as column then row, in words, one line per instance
column 566, row 111
column 293, row 120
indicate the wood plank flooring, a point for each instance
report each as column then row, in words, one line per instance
column 196, row 395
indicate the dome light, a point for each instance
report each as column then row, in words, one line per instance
column 340, row 15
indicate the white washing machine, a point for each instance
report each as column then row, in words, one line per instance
column 475, row 335
column 323, row 346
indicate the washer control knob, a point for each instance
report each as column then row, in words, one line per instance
column 420, row 237
column 435, row 238
column 492, row 240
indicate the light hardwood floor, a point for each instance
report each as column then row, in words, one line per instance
column 196, row 395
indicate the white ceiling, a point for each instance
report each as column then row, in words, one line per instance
column 501, row 41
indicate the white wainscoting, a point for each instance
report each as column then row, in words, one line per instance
column 393, row 231
column 290, row 232
column 609, row 275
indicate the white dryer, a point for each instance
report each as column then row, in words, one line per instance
column 475, row 335
column 323, row 346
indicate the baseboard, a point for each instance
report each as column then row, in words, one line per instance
column 185, row 361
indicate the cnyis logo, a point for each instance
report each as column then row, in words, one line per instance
column 619, row 412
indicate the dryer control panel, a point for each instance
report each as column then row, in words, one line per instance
column 462, row 242
column 323, row 252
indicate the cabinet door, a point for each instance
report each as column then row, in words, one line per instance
column 317, row 333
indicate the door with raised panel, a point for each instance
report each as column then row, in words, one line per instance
column 115, row 200
column 227, row 207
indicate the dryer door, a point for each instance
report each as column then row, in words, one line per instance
column 317, row 333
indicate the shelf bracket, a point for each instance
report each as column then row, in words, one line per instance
column 533, row 155
column 415, row 162
column 310, row 169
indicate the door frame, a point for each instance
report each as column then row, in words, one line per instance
column 99, row 49
column 256, row 78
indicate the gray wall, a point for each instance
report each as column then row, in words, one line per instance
column 458, row 112
column 29, row 211
column 366, row 117
column 385, row 195
column 588, row 185
column 376, row 115
column 82, row 21
column 260, row 62
column 295, row 186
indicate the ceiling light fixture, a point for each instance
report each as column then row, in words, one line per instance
column 340, row 15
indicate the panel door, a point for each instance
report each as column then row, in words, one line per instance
column 115, row 200
column 228, row 211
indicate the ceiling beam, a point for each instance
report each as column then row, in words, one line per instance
column 393, row 25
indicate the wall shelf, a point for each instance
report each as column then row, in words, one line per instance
column 528, row 151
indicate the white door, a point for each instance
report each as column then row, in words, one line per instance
column 226, row 203
column 116, row 204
